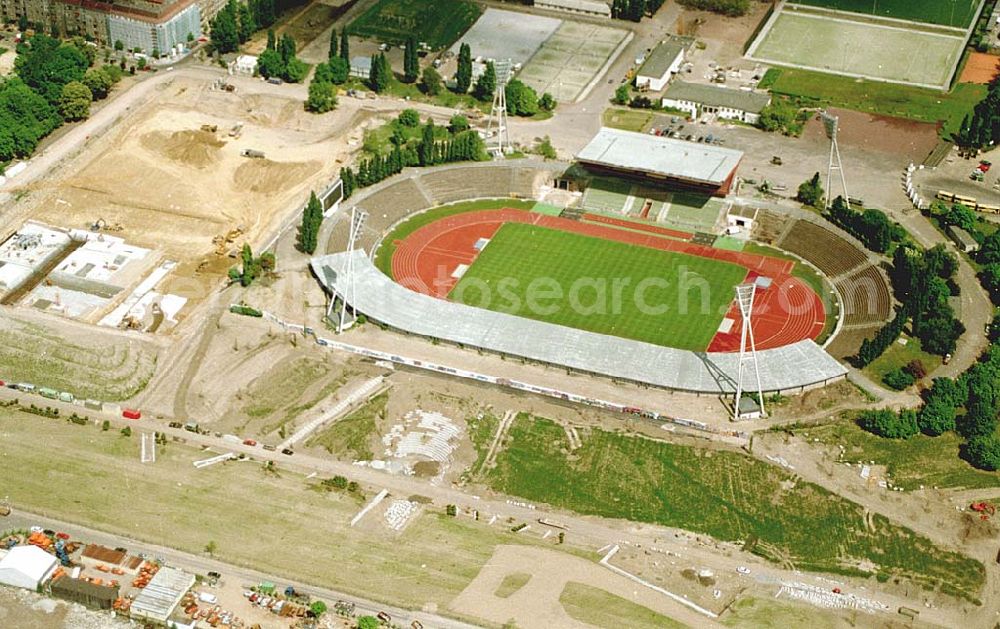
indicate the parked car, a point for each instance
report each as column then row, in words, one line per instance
column 249, row 442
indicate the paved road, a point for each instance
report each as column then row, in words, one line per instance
column 202, row 565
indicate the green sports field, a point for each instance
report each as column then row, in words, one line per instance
column 814, row 40
column 957, row 13
column 437, row 23
column 608, row 287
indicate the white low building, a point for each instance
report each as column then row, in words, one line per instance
column 361, row 67
column 722, row 102
column 244, row 64
column 27, row 567
column 585, row 7
column 661, row 64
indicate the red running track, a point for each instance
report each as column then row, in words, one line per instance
column 786, row 312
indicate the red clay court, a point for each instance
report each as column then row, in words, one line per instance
column 786, row 310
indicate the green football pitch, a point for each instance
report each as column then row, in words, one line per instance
column 662, row 297
column 946, row 12
column 436, row 23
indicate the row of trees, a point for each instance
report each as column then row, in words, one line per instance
column 731, row 8
column 54, row 82
column 977, row 391
column 872, row 227
column 252, row 268
column 237, row 21
column 416, row 145
column 278, row 59
column 312, row 218
column 982, row 127
column 875, row 346
column 634, row 9
column 323, row 87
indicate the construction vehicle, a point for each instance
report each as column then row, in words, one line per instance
column 252, row 153
column 210, row 128
column 384, row 617
column 102, row 225
column 775, row 160
column 984, row 509
column 236, row 131
column 223, row 242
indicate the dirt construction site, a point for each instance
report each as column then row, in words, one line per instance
column 173, row 175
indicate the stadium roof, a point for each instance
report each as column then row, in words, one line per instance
column 715, row 96
column 660, row 156
column 659, row 62
column 378, row 297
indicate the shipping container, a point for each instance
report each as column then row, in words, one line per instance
column 94, row 405
column 48, row 393
column 67, row 397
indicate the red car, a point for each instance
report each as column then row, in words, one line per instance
column 131, row 413
column 249, row 442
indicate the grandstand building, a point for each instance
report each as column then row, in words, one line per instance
column 662, row 161
column 792, row 368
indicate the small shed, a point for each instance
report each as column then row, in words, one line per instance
column 85, row 592
column 749, row 408
column 963, row 239
column 361, row 67
column 243, row 64
column 27, row 567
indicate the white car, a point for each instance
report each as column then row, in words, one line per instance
column 743, row 570
column 205, row 597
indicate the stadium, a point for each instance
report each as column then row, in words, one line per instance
column 506, row 258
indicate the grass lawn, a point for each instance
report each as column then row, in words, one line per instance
column 279, row 398
column 511, row 584
column 955, row 13
column 599, row 608
column 481, row 433
column 93, row 365
column 723, row 494
column 913, row 103
column 383, row 257
column 572, row 280
column 758, row 613
column 899, row 356
column 919, row 460
column 627, row 119
column 350, row 437
column 436, row 23
column 271, row 522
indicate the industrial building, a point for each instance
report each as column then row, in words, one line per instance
column 84, row 592
column 661, row 64
column 26, row 567
column 662, row 161
column 700, row 100
column 148, row 25
column 583, row 7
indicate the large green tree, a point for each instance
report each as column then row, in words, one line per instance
column 486, row 85
column 430, row 80
column 522, row 100
column 322, row 97
column 45, row 65
column 811, row 192
column 380, row 75
column 224, row 29
column 75, row 101
column 312, row 219
column 463, row 77
column 411, row 62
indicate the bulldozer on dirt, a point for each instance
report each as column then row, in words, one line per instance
column 102, row 225
column 210, row 128
column 223, row 242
